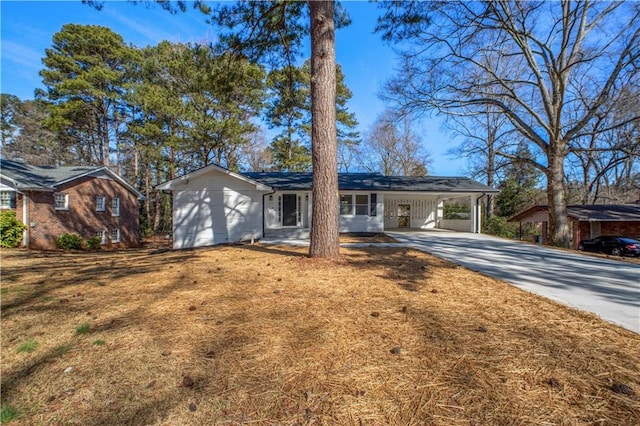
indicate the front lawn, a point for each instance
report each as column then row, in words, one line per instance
column 264, row 335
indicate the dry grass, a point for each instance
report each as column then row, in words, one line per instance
column 264, row 335
column 366, row 237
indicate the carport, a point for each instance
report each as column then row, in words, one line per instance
column 424, row 211
column 420, row 203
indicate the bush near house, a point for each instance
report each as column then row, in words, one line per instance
column 69, row 242
column 93, row 243
column 499, row 226
column 11, row 229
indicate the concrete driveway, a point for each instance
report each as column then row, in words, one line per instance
column 608, row 288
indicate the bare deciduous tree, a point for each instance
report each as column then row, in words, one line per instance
column 394, row 149
column 532, row 61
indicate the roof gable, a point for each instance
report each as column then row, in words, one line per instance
column 172, row 184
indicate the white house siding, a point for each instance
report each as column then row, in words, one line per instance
column 423, row 211
column 215, row 208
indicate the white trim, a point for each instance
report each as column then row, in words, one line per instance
column 4, row 187
column 117, row 232
column 184, row 179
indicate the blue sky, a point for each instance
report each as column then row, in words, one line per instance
column 27, row 28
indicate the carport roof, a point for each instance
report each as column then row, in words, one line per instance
column 591, row 213
column 373, row 182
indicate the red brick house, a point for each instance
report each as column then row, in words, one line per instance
column 88, row 201
column 589, row 221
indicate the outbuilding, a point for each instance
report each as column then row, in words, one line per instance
column 589, row 221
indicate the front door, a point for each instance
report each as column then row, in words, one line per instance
column 289, row 210
column 404, row 215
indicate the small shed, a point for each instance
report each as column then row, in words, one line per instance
column 589, row 221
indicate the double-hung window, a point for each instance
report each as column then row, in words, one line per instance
column 7, row 199
column 115, row 206
column 115, row 235
column 101, row 203
column 61, row 201
column 354, row 204
column 362, row 204
column 346, row 205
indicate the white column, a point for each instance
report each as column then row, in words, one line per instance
column 479, row 227
column 474, row 213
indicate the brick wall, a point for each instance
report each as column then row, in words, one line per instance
column 624, row 229
column 46, row 223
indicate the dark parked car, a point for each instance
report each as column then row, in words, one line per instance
column 616, row 246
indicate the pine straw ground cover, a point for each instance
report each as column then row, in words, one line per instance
column 264, row 335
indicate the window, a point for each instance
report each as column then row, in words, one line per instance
column 115, row 206
column 61, row 201
column 355, row 204
column 101, row 203
column 103, row 236
column 346, row 205
column 362, row 204
column 7, row 199
column 115, row 235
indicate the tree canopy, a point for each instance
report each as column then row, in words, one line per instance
column 561, row 72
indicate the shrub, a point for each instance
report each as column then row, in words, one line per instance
column 69, row 242
column 499, row 226
column 11, row 229
column 93, row 243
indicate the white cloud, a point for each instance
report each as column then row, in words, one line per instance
column 22, row 55
column 151, row 33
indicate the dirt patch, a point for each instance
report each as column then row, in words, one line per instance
column 265, row 335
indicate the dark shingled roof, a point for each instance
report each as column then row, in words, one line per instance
column 27, row 176
column 372, row 182
column 594, row 213
column 603, row 212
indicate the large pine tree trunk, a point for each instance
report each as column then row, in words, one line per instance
column 324, row 229
column 558, row 224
